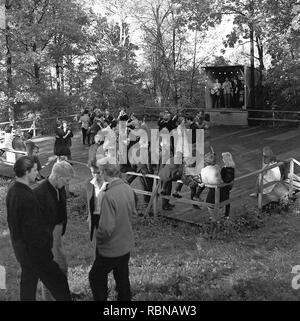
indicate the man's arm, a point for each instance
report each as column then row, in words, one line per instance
column 107, row 221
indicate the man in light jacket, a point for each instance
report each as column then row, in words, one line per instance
column 114, row 236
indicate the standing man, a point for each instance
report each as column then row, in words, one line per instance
column 235, row 92
column 215, row 93
column 94, row 191
column 227, row 90
column 85, row 124
column 108, row 117
column 114, row 238
column 30, row 237
column 51, row 195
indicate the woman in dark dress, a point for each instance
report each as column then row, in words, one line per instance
column 67, row 135
column 63, row 135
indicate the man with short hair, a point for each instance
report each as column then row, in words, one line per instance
column 95, row 191
column 52, row 198
column 108, row 117
column 114, row 238
column 227, row 89
column 85, row 124
column 31, row 239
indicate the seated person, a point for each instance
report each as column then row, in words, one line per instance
column 227, row 175
column 8, row 138
column 277, row 190
column 212, row 174
column 172, row 171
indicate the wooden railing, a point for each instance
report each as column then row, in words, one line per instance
column 36, row 123
column 218, row 204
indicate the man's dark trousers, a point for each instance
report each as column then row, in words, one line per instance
column 84, row 135
column 98, row 277
column 51, row 276
column 167, row 187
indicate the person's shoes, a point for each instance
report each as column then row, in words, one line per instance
column 177, row 195
column 253, row 195
column 171, row 205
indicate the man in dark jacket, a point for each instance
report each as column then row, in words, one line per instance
column 51, row 194
column 30, row 237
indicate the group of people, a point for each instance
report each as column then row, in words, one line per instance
column 37, row 220
column 172, row 155
column 15, row 139
column 226, row 94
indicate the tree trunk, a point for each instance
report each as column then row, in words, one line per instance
column 36, row 68
column 175, row 89
column 37, row 73
column 194, row 66
column 58, row 85
column 11, row 115
column 252, row 85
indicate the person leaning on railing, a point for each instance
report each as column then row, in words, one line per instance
column 271, row 175
column 274, row 191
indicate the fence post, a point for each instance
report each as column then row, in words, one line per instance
column 217, row 202
column 260, row 191
column 291, row 178
column 34, row 128
column 154, row 189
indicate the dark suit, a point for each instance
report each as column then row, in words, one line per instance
column 54, row 211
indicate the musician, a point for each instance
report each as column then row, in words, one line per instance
column 215, row 93
column 235, row 92
column 227, row 90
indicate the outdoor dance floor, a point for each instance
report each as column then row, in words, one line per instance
column 245, row 144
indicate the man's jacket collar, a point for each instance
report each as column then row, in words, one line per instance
column 114, row 183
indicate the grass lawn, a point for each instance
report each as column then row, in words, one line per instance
column 177, row 261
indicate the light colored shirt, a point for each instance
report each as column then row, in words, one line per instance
column 227, row 87
column 216, row 88
column 85, row 121
column 270, row 176
column 99, row 193
column 211, row 175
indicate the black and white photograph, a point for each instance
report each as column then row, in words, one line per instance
column 149, row 152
